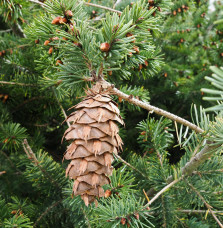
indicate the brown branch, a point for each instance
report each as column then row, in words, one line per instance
column 129, row 165
column 158, row 111
column 198, row 211
column 46, row 211
column 209, row 207
column 17, row 83
column 2, row 172
column 38, row 2
column 32, row 156
column 61, row 107
column 192, row 165
column 162, row 191
column 102, row 7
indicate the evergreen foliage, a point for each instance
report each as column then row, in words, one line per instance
column 157, row 51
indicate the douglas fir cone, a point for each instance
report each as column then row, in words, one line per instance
column 94, row 135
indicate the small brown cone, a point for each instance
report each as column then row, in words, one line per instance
column 94, row 135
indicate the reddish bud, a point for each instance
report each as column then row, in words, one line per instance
column 6, row 140
column 58, row 62
column 146, row 63
column 143, row 133
column 174, row 13
column 140, row 67
column 55, row 38
column 13, row 212
column 56, row 21
column 69, row 13
column 179, row 10
column 110, row 73
column 46, row 42
column 36, row 41
column 151, row 2
column 123, row 221
column 137, row 216
column 50, row 50
column 105, row 47
column 108, row 193
column 63, row 20
column 136, row 49
column 165, row 75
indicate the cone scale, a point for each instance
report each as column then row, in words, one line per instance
column 94, row 138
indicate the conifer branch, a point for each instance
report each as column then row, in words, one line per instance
column 46, row 212
column 162, row 191
column 149, row 107
column 17, row 83
column 158, row 111
column 37, row 2
column 129, row 165
column 17, row 29
column 209, row 207
column 32, row 156
column 198, row 211
column 102, row 7
column 193, row 164
column 61, row 107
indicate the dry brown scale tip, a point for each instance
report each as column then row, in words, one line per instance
column 94, row 135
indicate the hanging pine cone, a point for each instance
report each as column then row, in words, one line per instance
column 94, row 135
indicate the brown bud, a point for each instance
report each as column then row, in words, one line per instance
column 6, row 140
column 58, row 62
column 50, row 50
column 146, row 63
column 179, row 10
column 56, row 21
column 188, row 30
column 55, row 38
column 13, row 212
column 64, row 38
column 178, row 31
column 165, row 75
column 77, row 44
column 46, row 42
column 123, row 221
column 69, row 14
column 183, row 6
column 181, row 40
column 151, row 2
column 176, row 84
column 105, row 47
column 159, row 8
column 154, row 14
column 63, row 20
column 36, row 41
column 183, row 31
column 108, row 193
column 3, row 52
column 174, row 13
column 6, row 97
column 188, row 76
column 202, row 93
column 137, row 216
column 221, row 54
column 110, row 73
column 140, row 67
column 120, row 99
column 128, row 225
column 129, row 34
column 136, row 49
column 198, row 26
